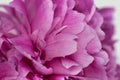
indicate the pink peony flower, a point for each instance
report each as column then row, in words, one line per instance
column 56, row 40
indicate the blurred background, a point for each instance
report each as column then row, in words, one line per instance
column 100, row 4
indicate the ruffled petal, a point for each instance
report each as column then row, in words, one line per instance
column 95, row 71
column 96, row 22
column 21, row 14
column 41, row 68
column 87, row 7
column 66, row 41
column 102, row 58
column 74, row 22
column 42, row 22
column 59, row 12
column 23, row 44
column 68, row 63
column 61, row 70
column 82, row 56
column 94, row 46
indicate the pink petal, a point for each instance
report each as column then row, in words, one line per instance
column 71, row 4
column 41, row 68
column 32, row 7
column 20, row 9
column 67, row 63
column 102, row 58
column 59, row 12
column 12, row 56
column 107, row 12
column 8, row 27
column 74, row 22
column 94, row 46
column 23, row 69
column 87, row 7
column 23, row 44
column 7, row 70
column 60, row 37
column 96, row 71
column 66, row 41
column 81, row 56
column 96, row 22
column 37, row 78
column 57, row 77
column 58, row 68
column 1, row 39
column 19, row 6
column 42, row 22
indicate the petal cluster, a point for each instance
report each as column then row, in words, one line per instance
column 56, row 40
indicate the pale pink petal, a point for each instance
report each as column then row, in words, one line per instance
column 56, row 40
column 67, row 63
column 94, row 46
column 23, row 44
column 19, row 6
column 74, row 22
column 61, row 46
column 59, row 12
column 82, row 56
column 71, row 4
column 102, row 58
column 42, row 22
column 32, row 7
column 20, row 9
column 41, row 68
column 58, row 68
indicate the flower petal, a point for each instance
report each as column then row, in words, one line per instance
column 58, row 68
column 94, row 46
column 96, row 71
column 102, row 58
column 59, row 12
column 66, row 41
column 74, row 22
column 85, row 6
column 42, row 22
column 7, row 70
column 96, row 22
column 21, row 14
column 82, row 56
column 23, row 44
column 67, row 63
column 41, row 68
column 71, row 4
column 56, row 77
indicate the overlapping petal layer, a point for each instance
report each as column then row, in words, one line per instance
column 56, row 40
